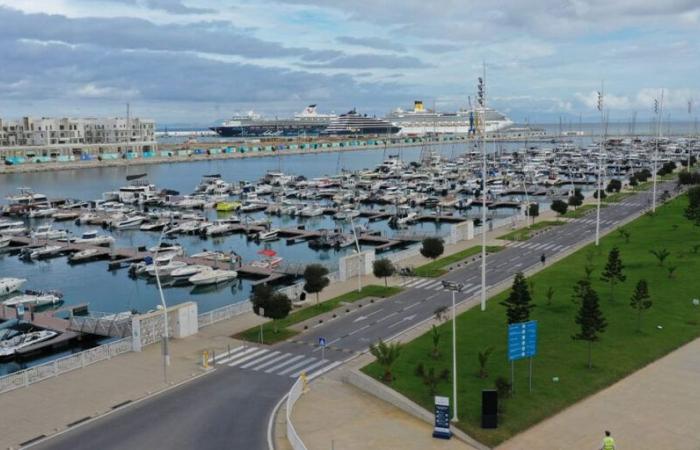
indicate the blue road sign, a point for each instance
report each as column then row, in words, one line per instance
column 522, row 340
column 321, row 342
column 442, row 418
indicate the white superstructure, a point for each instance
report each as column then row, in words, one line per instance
column 423, row 121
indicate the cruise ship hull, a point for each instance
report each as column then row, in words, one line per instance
column 462, row 128
column 268, row 130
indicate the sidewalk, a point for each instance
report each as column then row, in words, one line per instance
column 654, row 408
column 335, row 415
column 48, row 407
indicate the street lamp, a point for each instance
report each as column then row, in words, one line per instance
column 359, row 256
column 454, row 287
column 166, row 350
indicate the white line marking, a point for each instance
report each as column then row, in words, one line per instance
column 248, row 358
column 296, row 366
column 282, row 364
column 324, row 370
column 231, row 358
column 259, row 360
column 309, row 368
column 358, row 330
column 386, row 317
column 225, row 354
column 272, row 361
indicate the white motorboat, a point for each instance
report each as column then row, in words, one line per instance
column 46, row 251
column 40, row 213
column 212, row 276
column 10, row 346
column 126, row 222
column 167, row 248
column 65, row 214
column 346, row 214
column 154, row 226
column 187, row 227
column 47, row 232
column 311, row 211
column 5, row 224
column 220, row 227
column 213, row 255
column 38, row 299
column 164, row 270
column 188, row 271
column 269, row 235
column 84, row 255
column 5, row 241
column 87, row 218
column 14, row 231
column 94, row 238
column 10, row 284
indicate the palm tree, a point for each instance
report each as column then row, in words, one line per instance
column 661, row 255
column 430, row 378
column 386, row 355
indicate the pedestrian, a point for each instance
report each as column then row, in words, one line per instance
column 608, row 442
column 543, row 259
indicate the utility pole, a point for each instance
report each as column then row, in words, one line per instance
column 481, row 102
column 658, row 110
column 454, row 287
column 600, row 164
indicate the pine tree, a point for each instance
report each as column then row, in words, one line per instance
column 612, row 274
column 640, row 300
column 589, row 317
column 519, row 302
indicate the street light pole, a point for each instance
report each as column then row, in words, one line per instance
column 658, row 108
column 166, row 349
column 454, row 287
column 359, row 256
column 599, row 189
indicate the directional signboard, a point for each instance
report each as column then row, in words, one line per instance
column 442, row 418
column 522, row 340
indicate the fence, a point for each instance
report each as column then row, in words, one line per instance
column 223, row 313
column 56, row 367
column 294, row 394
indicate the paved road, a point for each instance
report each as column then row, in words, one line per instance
column 231, row 407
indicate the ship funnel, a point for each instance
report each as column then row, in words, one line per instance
column 418, row 106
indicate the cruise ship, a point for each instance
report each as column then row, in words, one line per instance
column 308, row 122
column 423, row 121
column 354, row 123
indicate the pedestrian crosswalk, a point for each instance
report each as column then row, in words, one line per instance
column 543, row 246
column 266, row 360
column 431, row 284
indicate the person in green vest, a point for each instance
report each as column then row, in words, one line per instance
column 608, row 442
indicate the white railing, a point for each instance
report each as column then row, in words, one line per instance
column 294, row 394
column 224, row 313
column 25, row 377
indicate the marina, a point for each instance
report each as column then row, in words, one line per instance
column 214, row 235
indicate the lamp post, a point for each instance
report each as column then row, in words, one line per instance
column 166, row 349
column 599, row 185
column 359, row 256
column 454, row 287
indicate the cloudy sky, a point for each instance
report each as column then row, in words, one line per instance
column 200, row 61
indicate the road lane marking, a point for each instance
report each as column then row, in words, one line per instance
column 296, row 366
column 272, row 361
column 248, row 358
column 259, row 360
column 237, row 355
column 358, row 330
column 386, row 317
column 220, row 356
column 308, row 368
column 284, row 363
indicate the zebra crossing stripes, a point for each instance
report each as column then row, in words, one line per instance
column 259, row 360
column 284, row 363
column 275, row 362
column 297, row 365
column 248, row 357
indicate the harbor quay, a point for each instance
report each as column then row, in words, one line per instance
column 66, row 155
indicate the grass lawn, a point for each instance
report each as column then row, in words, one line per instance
column 524, row 234
column 671, row 322
column 436, row 268
column 283, row 333
column 581, row 211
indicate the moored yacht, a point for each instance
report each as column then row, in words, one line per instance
column 10, row 284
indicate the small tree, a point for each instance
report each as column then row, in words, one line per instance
column 612, row 274
column 519, row 302
column 383, row 268
column 432, row 247
column 483, row 360
column 275, row 305
column 661, row 255
column 624, row 234
column 533, row 211
column 440, row 313
column 601, row 193
column 672, row 271
column 589, row 267
column 640, row 300
column 386, row 355
column 315, row 279
column 549, row 293
column 590, row 319
column 692, row 211
column 430, row 378
column 575, row 201
column 614, row 185
column 559, row 207
column 435, row 335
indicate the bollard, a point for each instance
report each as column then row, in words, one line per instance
column 205, row 359
column 305, row 383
